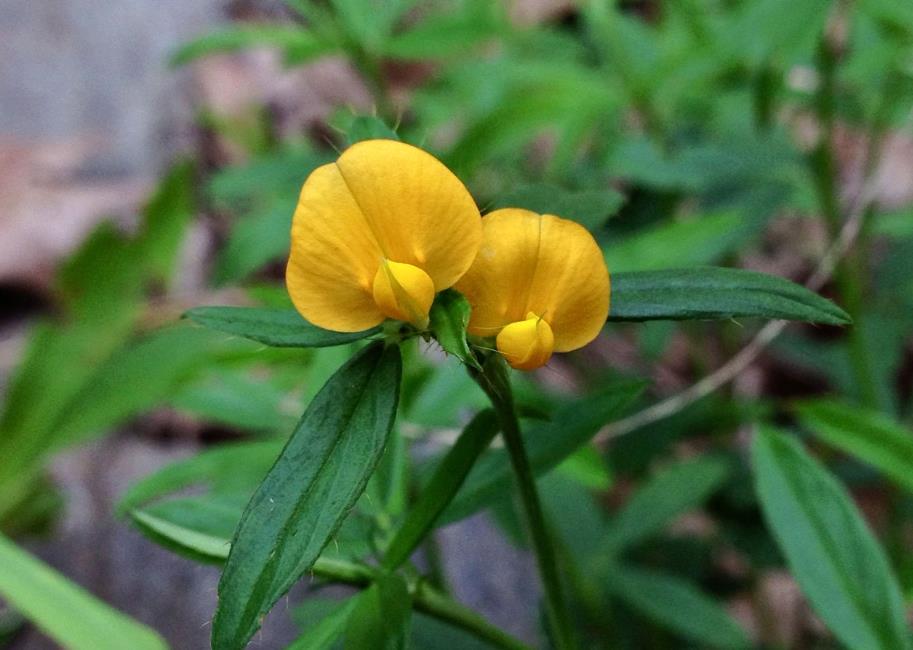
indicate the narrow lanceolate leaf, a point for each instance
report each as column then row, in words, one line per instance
column 712, row 293
column 547, row 443
column 837, row 561
column 281, row 328
column 678, row 606
column 449, row 318
column 380, row 620
column 197, row 545
column 304, row 498
column 234, row 466
column 328, row 630
column 870, row 436
column 296, row 42
column 64, row 611
column 132, row 380
column 672, row 492
column 447, row 479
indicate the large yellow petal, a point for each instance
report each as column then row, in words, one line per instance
column 333, row 258
column 381, row 200
column 539, row 264
column 420, row 213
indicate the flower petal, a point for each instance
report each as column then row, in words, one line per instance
column 381, row 200
column 527, row 344
column 334, row 257
column 542, row 264
column 419, row 212
column 404, row 292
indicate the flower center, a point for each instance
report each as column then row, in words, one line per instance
column 404, row 292
column 527, row 344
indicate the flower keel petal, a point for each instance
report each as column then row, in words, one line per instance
column 527, row 344
column 404, row 292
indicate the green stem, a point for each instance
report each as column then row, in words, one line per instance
column 434, row 603
column 370, row 67
column 495, row 381
column 343, row 571
column 765, row 85
column 850, row 270
column 425, row 599
column 436, row 571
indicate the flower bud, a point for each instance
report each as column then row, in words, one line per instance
column 404, row 292
column 527, row 344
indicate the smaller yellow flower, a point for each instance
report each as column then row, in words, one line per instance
column 376, row 235
column 539, row 284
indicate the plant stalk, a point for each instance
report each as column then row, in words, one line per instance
column 426, row 599
column 495, row 381
column 432, row 602
column 850, row 271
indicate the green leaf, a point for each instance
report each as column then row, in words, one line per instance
column 255, row 240
column 134, row 379
column 295, row 41
column 381, row 617
column 716, row 293
column 673, row 492
column 444, row 398
column 57, row 365
column 283, row 328
column 520, row 101
column 429, row 633
column 275, row 174
column 237, row 399
column 329, row 629
column 225, row 469
column 575, row 514
column 186, row 541
column 447, row 34
column 590, row 208
column 587, row 467
column 831, row 552
column 685, row 243
column 898, row 15
column 165, row 221
column 103, row 280
column 447, row 479
column 304, row 498
column 868, row 435
column 200, row 526
column 64, row 611
column 776, row 29
column 678, row 606
column 101, row 289
column 547, row 443
column 449, row 318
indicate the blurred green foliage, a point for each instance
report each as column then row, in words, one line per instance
column 681, row 134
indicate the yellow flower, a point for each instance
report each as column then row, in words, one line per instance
column 376, row 235
column 539, row 283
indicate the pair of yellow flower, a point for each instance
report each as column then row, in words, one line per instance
column 387, row 226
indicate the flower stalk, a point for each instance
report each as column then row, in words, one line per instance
column 426, row 599
column 850, row 271
column 495, row 382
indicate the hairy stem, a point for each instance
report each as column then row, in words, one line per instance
column 432, row 602
column 426, row 599
column 850, row 271
column 495, row 381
